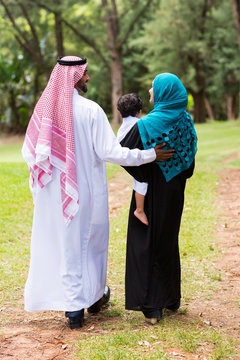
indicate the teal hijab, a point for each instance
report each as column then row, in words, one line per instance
column 168, row 122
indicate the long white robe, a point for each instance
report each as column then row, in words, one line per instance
column 68, row 263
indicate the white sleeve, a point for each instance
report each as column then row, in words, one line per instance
column 140, row 187
column 108, row 148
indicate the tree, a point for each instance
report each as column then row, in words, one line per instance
column 117, row 36
column 26, row 52
column 184, row 42
column 178, row 44
column 119, row 25
column 236, row 12
column 223, row 69
column 29, row 41
column 126, row 46
column 14, row 84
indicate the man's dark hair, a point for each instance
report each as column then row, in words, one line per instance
column 129, row 105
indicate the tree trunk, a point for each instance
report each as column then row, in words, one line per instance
column 58, row 29
column 36, row 85
column 199, row 112
column 111, row 18
column 230, row 107
column 59, row 34
column 199, row 96
column 15, row 121
column 239, row 105
column 117, row 83
column 236, row 13
column 209, row 109
column 234, row 107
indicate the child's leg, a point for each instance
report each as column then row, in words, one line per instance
column 140, row 192
column 139, row 212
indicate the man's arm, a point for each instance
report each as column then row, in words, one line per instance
column 108, row 148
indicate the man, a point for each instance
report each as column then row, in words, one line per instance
column 67, row 143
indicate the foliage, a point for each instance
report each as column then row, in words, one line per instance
column 21, row 77
column 69, row 26
column 196, row 40
column 223, row 68
column 15, row 91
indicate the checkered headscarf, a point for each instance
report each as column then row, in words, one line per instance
column 49, row 139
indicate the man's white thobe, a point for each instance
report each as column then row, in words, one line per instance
column 68, row 263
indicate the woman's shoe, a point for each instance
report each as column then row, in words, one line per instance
column 152, row 321
column 152, row 316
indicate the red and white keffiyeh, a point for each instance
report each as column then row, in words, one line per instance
column 49, row 139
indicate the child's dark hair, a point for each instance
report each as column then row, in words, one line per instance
column 129, row 105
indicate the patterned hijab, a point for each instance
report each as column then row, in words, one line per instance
column 49, row 138
column 168, row 122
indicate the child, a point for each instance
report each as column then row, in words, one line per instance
column 130, row 107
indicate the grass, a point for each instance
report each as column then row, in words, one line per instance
column 11, row 153
column 15, row 224
column 124, row 334
column 155, row 343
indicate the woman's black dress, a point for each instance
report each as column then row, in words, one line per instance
column 153, row 273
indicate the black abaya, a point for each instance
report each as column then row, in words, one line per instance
column 153, row 272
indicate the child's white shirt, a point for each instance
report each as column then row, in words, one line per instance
column 127, row 124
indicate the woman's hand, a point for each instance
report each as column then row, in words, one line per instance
column 162, row 155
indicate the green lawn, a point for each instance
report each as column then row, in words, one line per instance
column 123, row 333
column 11, row 153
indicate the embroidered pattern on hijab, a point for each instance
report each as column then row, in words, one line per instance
column 168, row 122
column 49, row 138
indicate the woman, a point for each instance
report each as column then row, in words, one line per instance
column 153, row 264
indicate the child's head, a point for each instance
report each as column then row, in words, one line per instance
column 129, row 105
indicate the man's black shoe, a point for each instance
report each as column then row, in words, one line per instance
column 96, row 307
column 75, row 318
column 75, row 323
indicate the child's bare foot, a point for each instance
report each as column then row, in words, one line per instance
column 141, row 216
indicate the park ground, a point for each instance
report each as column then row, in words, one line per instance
column 207, row 326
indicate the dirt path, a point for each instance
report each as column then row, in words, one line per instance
column 46, row 336
column 222, row 310
column 10, row 139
